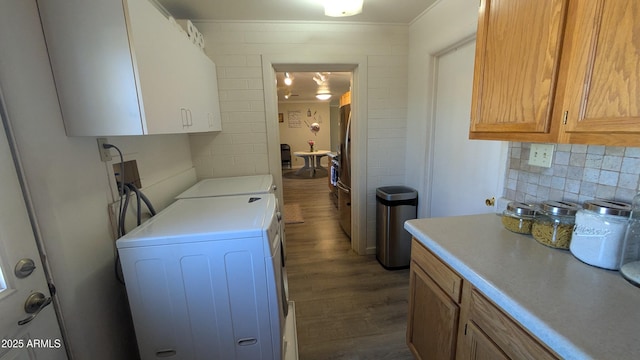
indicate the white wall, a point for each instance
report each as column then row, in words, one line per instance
column 298, row 137
column 236, row 48
column 71, row 189
column 442, row 25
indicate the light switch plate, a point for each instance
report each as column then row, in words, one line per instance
column 541, row 155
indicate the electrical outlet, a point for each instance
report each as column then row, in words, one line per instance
column 541, row 155
column 105, row 154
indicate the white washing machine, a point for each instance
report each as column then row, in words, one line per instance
column 239, row 185
column 204, row 280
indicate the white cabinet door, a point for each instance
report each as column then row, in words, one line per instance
column 204, row 87
column 92, row 66
column 156, row 46
column 177, row 80
column 212, row 102
column 125, row 69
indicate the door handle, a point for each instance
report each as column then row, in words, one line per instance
column 343, row 187
column 34, row 304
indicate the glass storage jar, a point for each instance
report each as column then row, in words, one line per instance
column 553, row 224
column 599, row 233
column 518, row 217
column 630, row 261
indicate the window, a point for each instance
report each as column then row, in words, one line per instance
column 3, row 284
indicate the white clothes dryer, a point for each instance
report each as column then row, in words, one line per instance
column 204, row 280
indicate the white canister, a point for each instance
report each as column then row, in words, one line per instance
column 599, row 232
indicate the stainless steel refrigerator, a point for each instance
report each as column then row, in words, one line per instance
column 344, row 178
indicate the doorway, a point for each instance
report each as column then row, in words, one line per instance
column 299, row 109
column 357, row 66
column 312, row 131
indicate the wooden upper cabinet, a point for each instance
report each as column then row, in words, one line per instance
column 564, row 71
column 602, row 97
column 518, row 51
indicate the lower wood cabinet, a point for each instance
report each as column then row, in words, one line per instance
column 480, row 346
column 431, row 308
column 449, row 319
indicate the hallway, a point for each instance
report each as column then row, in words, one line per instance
column 347, row 306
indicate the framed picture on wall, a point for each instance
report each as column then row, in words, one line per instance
column 280, row 117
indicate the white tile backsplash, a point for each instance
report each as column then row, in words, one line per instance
column 578, row 173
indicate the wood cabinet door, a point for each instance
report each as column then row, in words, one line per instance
column 509, row 336
column 480, row 345
column 517, row 59
column 433, row 318
column 602, row 98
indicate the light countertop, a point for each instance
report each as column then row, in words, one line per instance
column 578, row 310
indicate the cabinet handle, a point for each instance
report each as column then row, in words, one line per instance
column 184, row 117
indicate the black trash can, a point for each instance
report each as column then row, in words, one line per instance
column 395, row 205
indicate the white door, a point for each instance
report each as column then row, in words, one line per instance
column 39, row 338
column 464, row 173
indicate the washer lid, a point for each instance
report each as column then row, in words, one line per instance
column 205, row 219
column 240, row 185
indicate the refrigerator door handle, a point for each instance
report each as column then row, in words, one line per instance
column 342, row 187
column 346, row 143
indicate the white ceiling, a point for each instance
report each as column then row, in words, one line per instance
column 304, row 88
column 374, row 11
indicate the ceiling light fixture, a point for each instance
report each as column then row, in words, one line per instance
column 323, row 93
column 287, row 79
column 338, row 8
column 319, row 78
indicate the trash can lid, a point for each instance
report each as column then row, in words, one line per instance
column 391, row 193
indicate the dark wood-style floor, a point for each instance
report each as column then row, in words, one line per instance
column 347, row 306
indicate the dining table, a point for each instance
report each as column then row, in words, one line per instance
column 311, row 160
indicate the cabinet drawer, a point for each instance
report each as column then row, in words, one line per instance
column 441, row 274
column 506, row 333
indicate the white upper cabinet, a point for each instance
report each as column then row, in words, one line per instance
column 122, row 68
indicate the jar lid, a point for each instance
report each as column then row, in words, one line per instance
column 521, row 208
column 560, row 207
column 608, row 207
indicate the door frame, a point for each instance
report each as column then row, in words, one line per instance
column 431, row 127
column 357, row 65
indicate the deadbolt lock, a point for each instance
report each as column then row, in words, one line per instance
column 24, row 268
